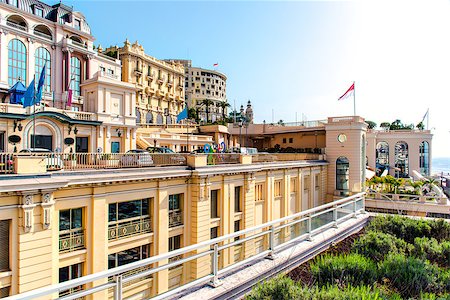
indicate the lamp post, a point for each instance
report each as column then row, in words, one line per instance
column 240, row 133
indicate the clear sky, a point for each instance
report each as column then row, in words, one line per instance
column 298, row 57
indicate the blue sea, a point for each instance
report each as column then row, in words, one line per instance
column 440, row 164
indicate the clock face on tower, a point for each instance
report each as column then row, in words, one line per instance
column 342, row 138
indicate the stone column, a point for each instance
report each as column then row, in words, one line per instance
column 248, row 209
column 161, row 235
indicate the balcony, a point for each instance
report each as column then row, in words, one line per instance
column 150, row 77
column 180, row 87
column 170, row 83
column 175, row 218
column 72, row 240
column 160, row 80
column 127, row 228
column 16, row 25
column 43, row 35
column 138, row 72
column 78, row 44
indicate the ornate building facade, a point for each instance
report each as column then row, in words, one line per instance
column 101, row 115
column 202, row 85
column 159, row 84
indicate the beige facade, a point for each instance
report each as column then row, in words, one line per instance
column 404, row 151
column 202, row 84
column 69, row 224
column 101, row 116
column 160, row 85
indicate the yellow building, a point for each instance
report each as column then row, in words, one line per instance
column 57, row 227
column 160, row 84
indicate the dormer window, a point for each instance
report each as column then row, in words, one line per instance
column 39, row 12
column 77, row 24
column 14, row 3
column 62, row 20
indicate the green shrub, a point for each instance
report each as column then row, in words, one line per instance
column 440, row 229
column 347, row 293
column 353, row 269
column 278, row 288
column 445, row 252
column 427, row 248
column 401, row 227
column 375, row 245
column 410, row 276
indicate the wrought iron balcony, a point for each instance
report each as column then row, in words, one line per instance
column 43, row 35
column 175, row 218
column 127, row 228
column 17, row 26
column 71, row 240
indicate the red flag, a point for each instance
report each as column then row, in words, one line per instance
column 69, row 97
column 348, row 93
column 216, row 65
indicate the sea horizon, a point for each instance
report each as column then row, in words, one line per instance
column 440, row 164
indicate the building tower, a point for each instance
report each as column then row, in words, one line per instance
column 249, row 112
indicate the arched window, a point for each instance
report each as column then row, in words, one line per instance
column 159, row 119
column 382, row 157
column 424, row 158
column 342, row 174
column 17, row 62
column 168, row 120
column 149, row 118
column 43, row 32
column 75, row 69
column 401, row 160
column 138, row 116
column 42, row 56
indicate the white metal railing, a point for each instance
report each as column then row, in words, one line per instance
column 43, row 35
column 17, row 26
column 310, row 222
column 406, row 198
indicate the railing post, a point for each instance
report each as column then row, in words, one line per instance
column 118, row 288
column 335, row 217
column 309, row 228
column 271, row 255
column 354, row 208
column 363, row 199
column 215, row 282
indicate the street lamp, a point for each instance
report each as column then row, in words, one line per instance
column 240, row 133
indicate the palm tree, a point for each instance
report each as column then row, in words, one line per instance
column 207, row 103
column 224, row 105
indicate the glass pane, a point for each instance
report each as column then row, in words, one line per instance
column 145, row 207
column 111, row 261
column 112, row 216
column 64, row 274
column 77, row 218
column 64, row 219
column 129, row 209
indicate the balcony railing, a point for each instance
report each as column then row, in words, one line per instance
column 175, row 218
column 127, row 228
column 305, row 225
column 71, row 240
column 43, row 35
column 17, row 26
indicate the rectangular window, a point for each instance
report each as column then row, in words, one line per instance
column 237, row 199
column 14, row 3
column 128, row 218
column 307, row 183
column 214, row 232
column 4, row 245
column 237, row 227
column 175, row 243
column 293, row 185
column 175, row 210
column 128, row 256
column 62, row 20
column 77, row 24
column 277, row 188
column 69, row 273
column 284, row 140
column 317, row 181
column 291, row 140
column 39, row 12
column 259, row 192
column 71, row 230
column 214, row 203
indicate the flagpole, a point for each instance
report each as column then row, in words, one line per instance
column 34, row 114
column 428, row 118
column 354, row 99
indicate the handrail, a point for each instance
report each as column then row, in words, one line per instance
column 206, row 245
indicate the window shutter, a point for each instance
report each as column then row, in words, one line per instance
column 4, row 245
